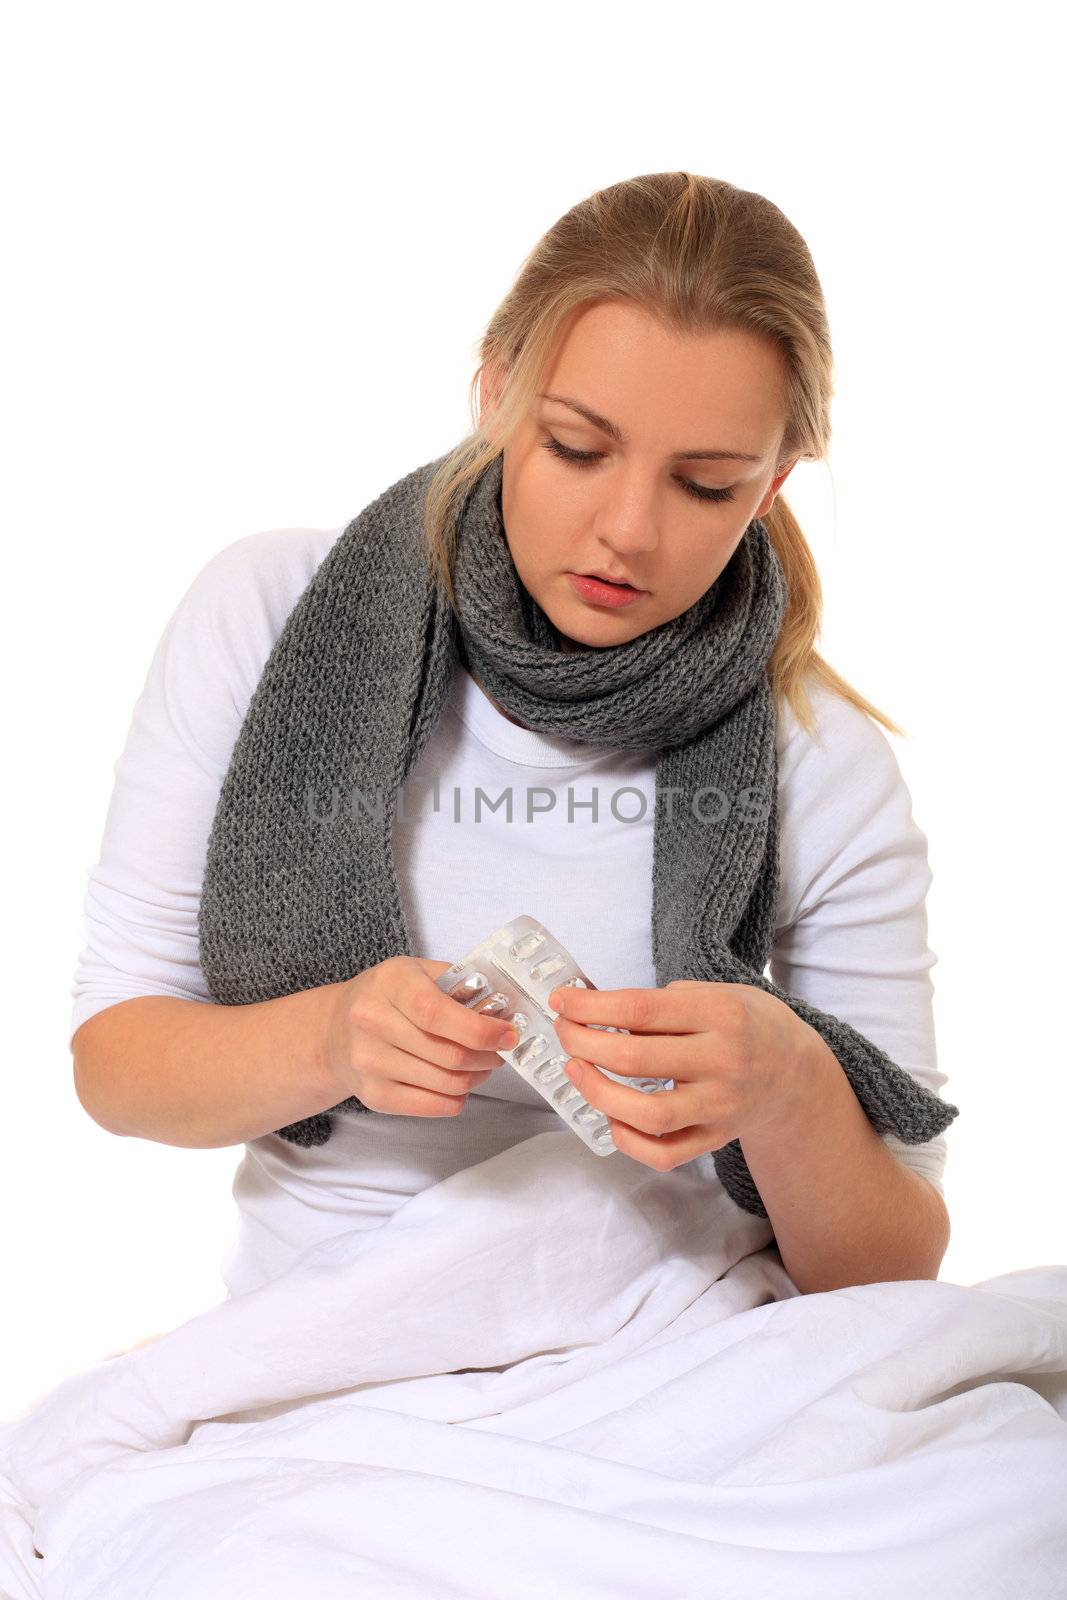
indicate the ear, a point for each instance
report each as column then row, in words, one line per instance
column 776, row 483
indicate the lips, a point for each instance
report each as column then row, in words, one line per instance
column 606, row 577
column 595, row 591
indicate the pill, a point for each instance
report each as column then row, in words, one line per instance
column 512, row 975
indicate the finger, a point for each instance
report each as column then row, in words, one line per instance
column 441, row 1067
column 671, row 1150
column 434, row 968
column 681, row 1056
column 638, row 1010
column 442, row 1017
column 449, row 1058
column 656, row 1114
column 407, row 1086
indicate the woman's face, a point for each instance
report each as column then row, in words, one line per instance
column 645, row 506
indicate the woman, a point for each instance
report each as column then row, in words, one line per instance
column 453, row 1339
column 660, row 365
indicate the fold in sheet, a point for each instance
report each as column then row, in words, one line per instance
column 550, row 1369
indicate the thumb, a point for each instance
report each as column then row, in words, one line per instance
column 434, row 968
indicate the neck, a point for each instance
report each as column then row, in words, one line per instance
column 492, row 702
column 567, row 645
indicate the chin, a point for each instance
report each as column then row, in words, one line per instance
column 610, row 631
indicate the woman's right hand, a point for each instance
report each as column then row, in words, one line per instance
column 401, row 1045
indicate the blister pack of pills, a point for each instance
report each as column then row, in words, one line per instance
column 510, row 975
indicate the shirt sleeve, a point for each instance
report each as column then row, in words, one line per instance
column 143, row 894
column 852, row 934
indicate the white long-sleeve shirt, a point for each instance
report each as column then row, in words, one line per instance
column 850, row 930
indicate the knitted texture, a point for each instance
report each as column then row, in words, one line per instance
column 300, row 886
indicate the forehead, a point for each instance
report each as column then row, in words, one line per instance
column 670, row 388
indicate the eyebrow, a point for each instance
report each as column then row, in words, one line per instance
column 613, row 431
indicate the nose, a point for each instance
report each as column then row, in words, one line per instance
column 626, row 520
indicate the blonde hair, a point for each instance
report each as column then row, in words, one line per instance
column 701, row 256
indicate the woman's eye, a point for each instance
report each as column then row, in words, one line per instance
column 589, row 458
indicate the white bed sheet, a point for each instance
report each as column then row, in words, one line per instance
column 553, row 1373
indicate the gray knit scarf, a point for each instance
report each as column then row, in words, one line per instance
column 300, row 887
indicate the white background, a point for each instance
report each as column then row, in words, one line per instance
column 249, row 251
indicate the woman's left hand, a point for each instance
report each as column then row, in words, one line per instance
column 740, row 1059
